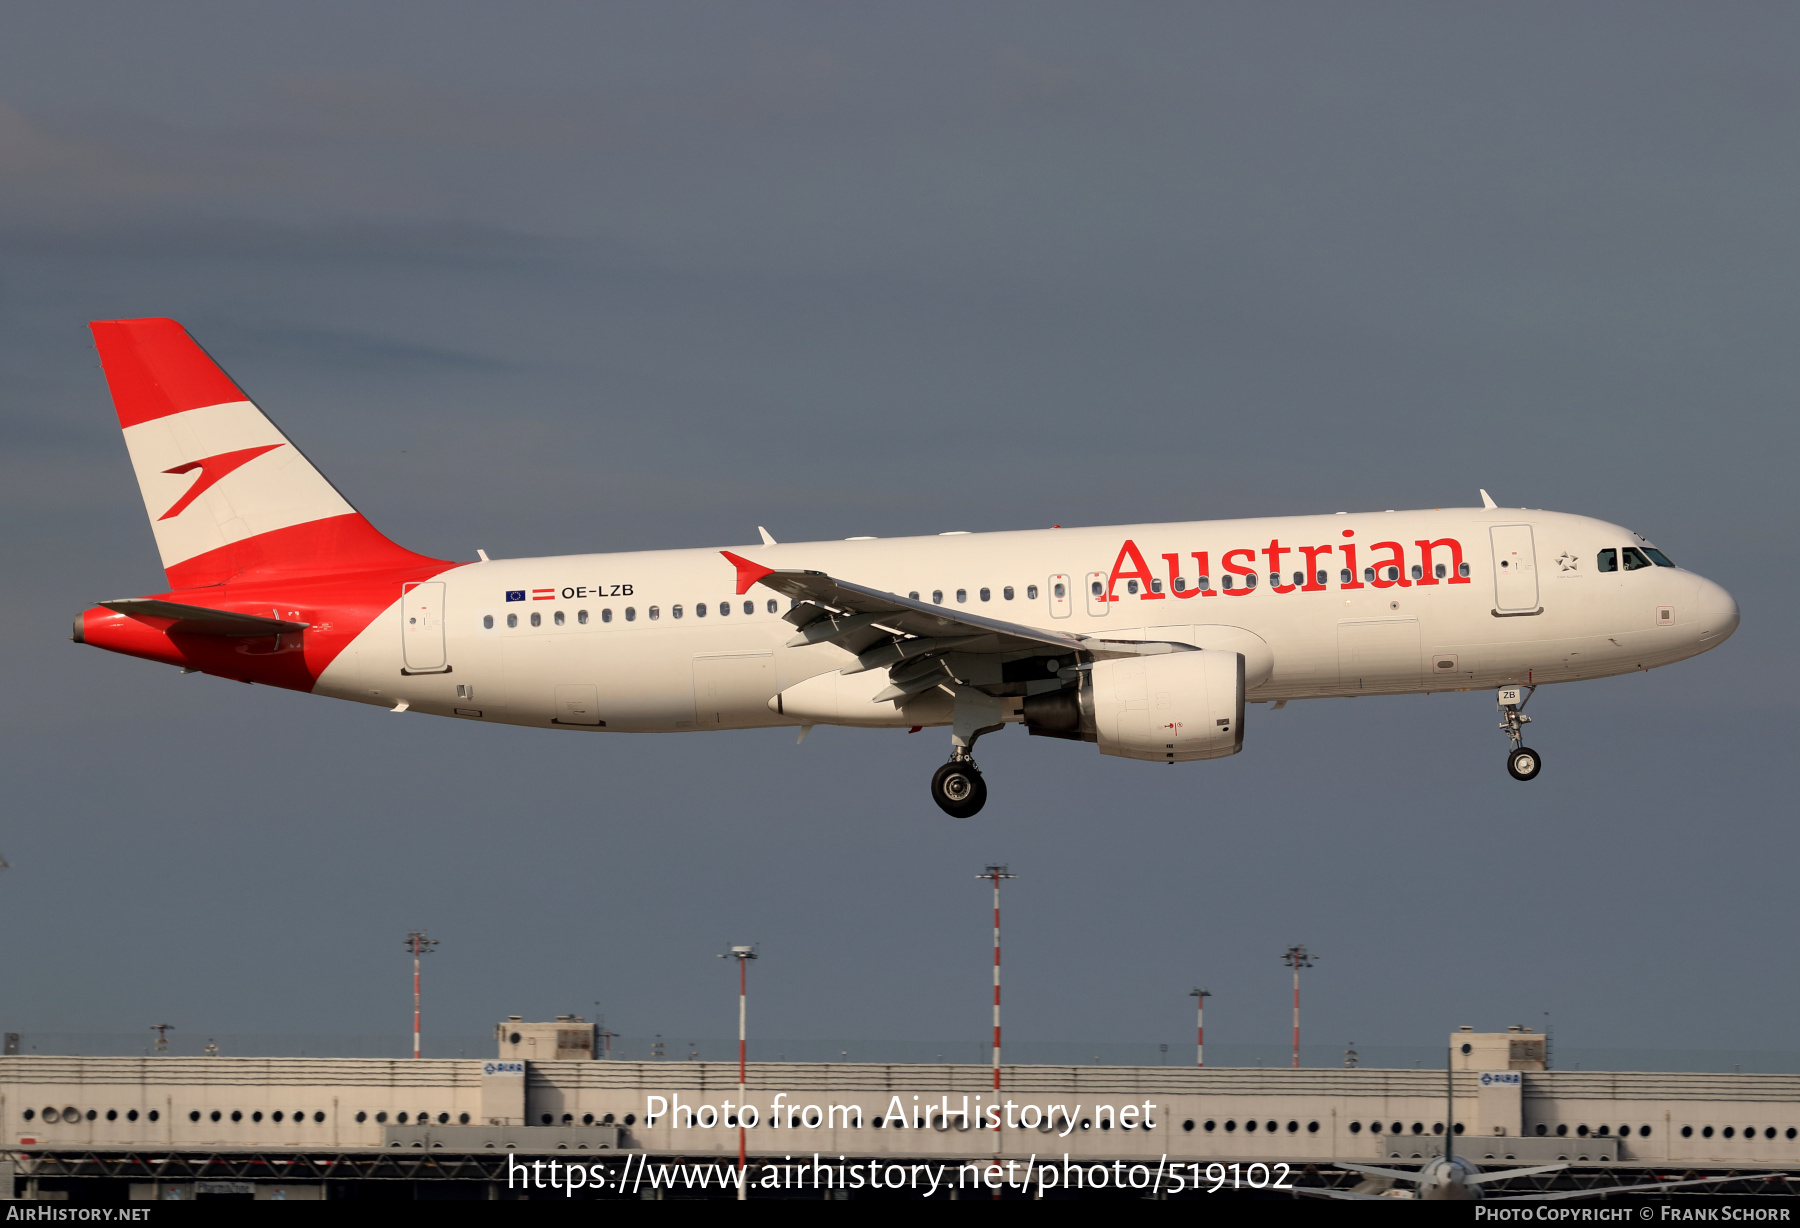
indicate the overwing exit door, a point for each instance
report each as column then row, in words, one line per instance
column 1515, row 569
column 422, row 627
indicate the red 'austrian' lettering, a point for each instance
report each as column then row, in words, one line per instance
column 1388, row 570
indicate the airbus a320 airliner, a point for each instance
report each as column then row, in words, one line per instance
column 1146, row 640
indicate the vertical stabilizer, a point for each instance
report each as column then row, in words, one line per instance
column 227, row 492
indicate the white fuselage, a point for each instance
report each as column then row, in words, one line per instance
column 661, row 641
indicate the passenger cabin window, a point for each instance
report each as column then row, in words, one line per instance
column 962, row 595
column 1007, row 592
column 724, row 608
column 987, row 594
column 1437, row 571
column 512, row 620
column 700, row 610
column 675, row 611
column 1368, row 574
column 1156, row 586
column 1130, row 587
column 772, row 606
column 1635, row 560
column 913, row 596
column 537, row 620
column 1299, row 578
column 1203, row 583
column 1462, row 569
column 1323, row 576
column 1226, row 583
column 630, row 614
column 1418, row 573
column 1100, row 589
column 606, row 615
column 1250, row 580
column 937, row 596
column 1180, row 584
column 655, row 612
column 1608, row 560
column 487, row 621
column 581, row 617
column 1658, row 557
column 1343, row 576
column 749, row 607
column 559, row 618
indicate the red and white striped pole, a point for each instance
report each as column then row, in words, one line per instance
column 996, row 873
column 1297, row 958
column 743, row 955
column 1199, row 996
column 418, row 944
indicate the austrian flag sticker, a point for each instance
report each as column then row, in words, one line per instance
column 543, row 594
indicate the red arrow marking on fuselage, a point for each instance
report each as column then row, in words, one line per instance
column 212, row 468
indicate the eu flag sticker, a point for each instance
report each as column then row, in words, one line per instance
column 515, row 594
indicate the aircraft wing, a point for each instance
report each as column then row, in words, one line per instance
column 1648, row 1187
column 199, row 620
column 888, row 631
column 1398, row 1174
column 1503, row 1173
column 1317, row 1191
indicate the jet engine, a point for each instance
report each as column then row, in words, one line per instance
column 1167, row 709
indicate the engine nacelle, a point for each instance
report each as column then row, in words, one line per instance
column 1166, row 709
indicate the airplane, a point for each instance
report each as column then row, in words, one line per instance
column 1146, row 640
column 1448, row 1177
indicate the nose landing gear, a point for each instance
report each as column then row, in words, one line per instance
column 1523, row 763
column 958, row 789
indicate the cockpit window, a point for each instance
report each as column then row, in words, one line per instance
column 1634, row 559
column 1658, row 557
column 1609, row 560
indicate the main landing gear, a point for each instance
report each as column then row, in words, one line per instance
column 958, row 789
column 1523, row 763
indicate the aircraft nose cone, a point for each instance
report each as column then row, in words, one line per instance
column 1718, row 614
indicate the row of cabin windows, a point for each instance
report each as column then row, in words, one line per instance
column 1008, row 593
column 559, row 618
column 985, row 594
column 1635, row 559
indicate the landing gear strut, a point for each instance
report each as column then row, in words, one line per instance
column 1523, row 763
column 958, row 789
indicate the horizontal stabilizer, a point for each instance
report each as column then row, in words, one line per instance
column 199, row 620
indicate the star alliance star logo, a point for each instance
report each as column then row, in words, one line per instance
column 1567, row 561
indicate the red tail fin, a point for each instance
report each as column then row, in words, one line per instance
column 226, row 491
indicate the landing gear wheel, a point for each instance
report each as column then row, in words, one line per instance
column 958, row 789
column 1523, row 763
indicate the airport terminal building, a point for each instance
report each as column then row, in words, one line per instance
column 116, row 1129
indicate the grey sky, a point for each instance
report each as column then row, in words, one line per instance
column 546, row 279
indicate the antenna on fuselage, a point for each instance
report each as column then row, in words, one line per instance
column 1487, row 500
column 767, row 540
